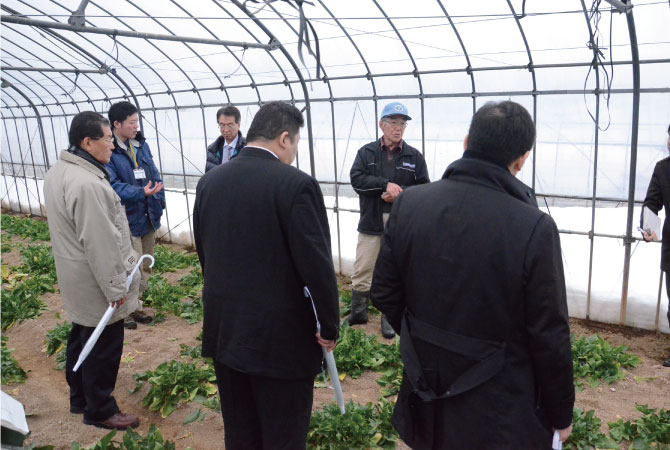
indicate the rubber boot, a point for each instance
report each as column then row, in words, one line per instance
column 359, row 307
column 387, row 329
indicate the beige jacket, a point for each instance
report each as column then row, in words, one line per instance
column 90, row 238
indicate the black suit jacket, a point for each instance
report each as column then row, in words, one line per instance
column 658, row 197
column 262, row 234
column 472, row 254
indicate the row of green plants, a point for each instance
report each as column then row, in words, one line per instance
column 650, row 431
column 130, row 440
column 24, row 285
column 167, row 260
column 12, row 373
column 175, row 382
column 25, row 228
column 183, row 300
column 361, row 427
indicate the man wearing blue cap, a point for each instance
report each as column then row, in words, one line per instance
column 381, row 170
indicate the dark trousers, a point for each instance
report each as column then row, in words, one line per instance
column 91, row 386
column 667, row 291
column 261, row 413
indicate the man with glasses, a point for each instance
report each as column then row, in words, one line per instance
column 93, row 255
column 228, row 145
column 136, row 180
column 381, row 170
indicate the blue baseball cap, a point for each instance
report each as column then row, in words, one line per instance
column 395, row 109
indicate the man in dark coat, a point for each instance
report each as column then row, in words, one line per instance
column 381, row 170
column 470, row 275
column 228, row 145
column 658, row 196
column 258, row 247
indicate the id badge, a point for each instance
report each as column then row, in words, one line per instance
column 139, row 174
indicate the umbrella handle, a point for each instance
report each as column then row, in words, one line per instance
column 129, row 280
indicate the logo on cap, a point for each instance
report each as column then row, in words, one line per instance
column 398, row 108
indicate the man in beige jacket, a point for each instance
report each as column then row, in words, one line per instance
column 93, row 254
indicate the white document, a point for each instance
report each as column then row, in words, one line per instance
column 651, row 223
column 13, row 416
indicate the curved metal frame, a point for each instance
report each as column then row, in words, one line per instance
column 82, row 96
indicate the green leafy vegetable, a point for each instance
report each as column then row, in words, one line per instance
column 362, row 427
column 131, row 441
column 596, row 360
column 651, row 431
column 25, row 228
column 586, row 432
column 12, row 373
column 167, row 260
column 357, row 351
column 56, row 343
column 175, row 382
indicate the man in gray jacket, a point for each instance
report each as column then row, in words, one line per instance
column 91, row 244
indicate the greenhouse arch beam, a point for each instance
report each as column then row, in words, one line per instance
column 239, row 61
column 101, row 71
column 285, row 82
column 633, row 163
column 25, row 50
column 468, row 69
column 415, row 73
column 287, row 55
column 6, row 83
column 19, row 20
column 595, row 161
column 82, row 51
column 531, row 69
column 11, row 158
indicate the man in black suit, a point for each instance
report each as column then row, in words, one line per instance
column 657, row 198
column 262, row 234
column 470, row 274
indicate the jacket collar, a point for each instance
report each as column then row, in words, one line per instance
column 376, row 146
column 137, row 141
column 75, row 156
column 257, row 152
column 489, row 174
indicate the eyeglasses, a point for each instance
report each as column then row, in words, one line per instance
column 229, row 126
column 108, row 140
column 396, row 123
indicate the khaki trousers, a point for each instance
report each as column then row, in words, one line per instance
column 367, row 250
column 144, row 245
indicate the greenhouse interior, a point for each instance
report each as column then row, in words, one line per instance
column 594, row 76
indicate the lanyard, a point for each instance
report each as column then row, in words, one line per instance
column 132, row 153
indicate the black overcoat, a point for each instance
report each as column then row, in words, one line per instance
column 261, row 233
column 658, row 196
column 473, row 255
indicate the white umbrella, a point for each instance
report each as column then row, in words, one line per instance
column 105, row 317
column 330, row 359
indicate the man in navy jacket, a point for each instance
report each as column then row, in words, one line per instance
column 136, row 180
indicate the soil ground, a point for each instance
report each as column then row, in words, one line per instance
column 45, row 392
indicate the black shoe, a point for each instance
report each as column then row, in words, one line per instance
column 129, row 324
column 141, row 317
column 359, row 308
column 387, row 329
column 666, row 362
column 76, row 409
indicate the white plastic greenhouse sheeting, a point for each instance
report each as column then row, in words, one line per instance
column 607, row 263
